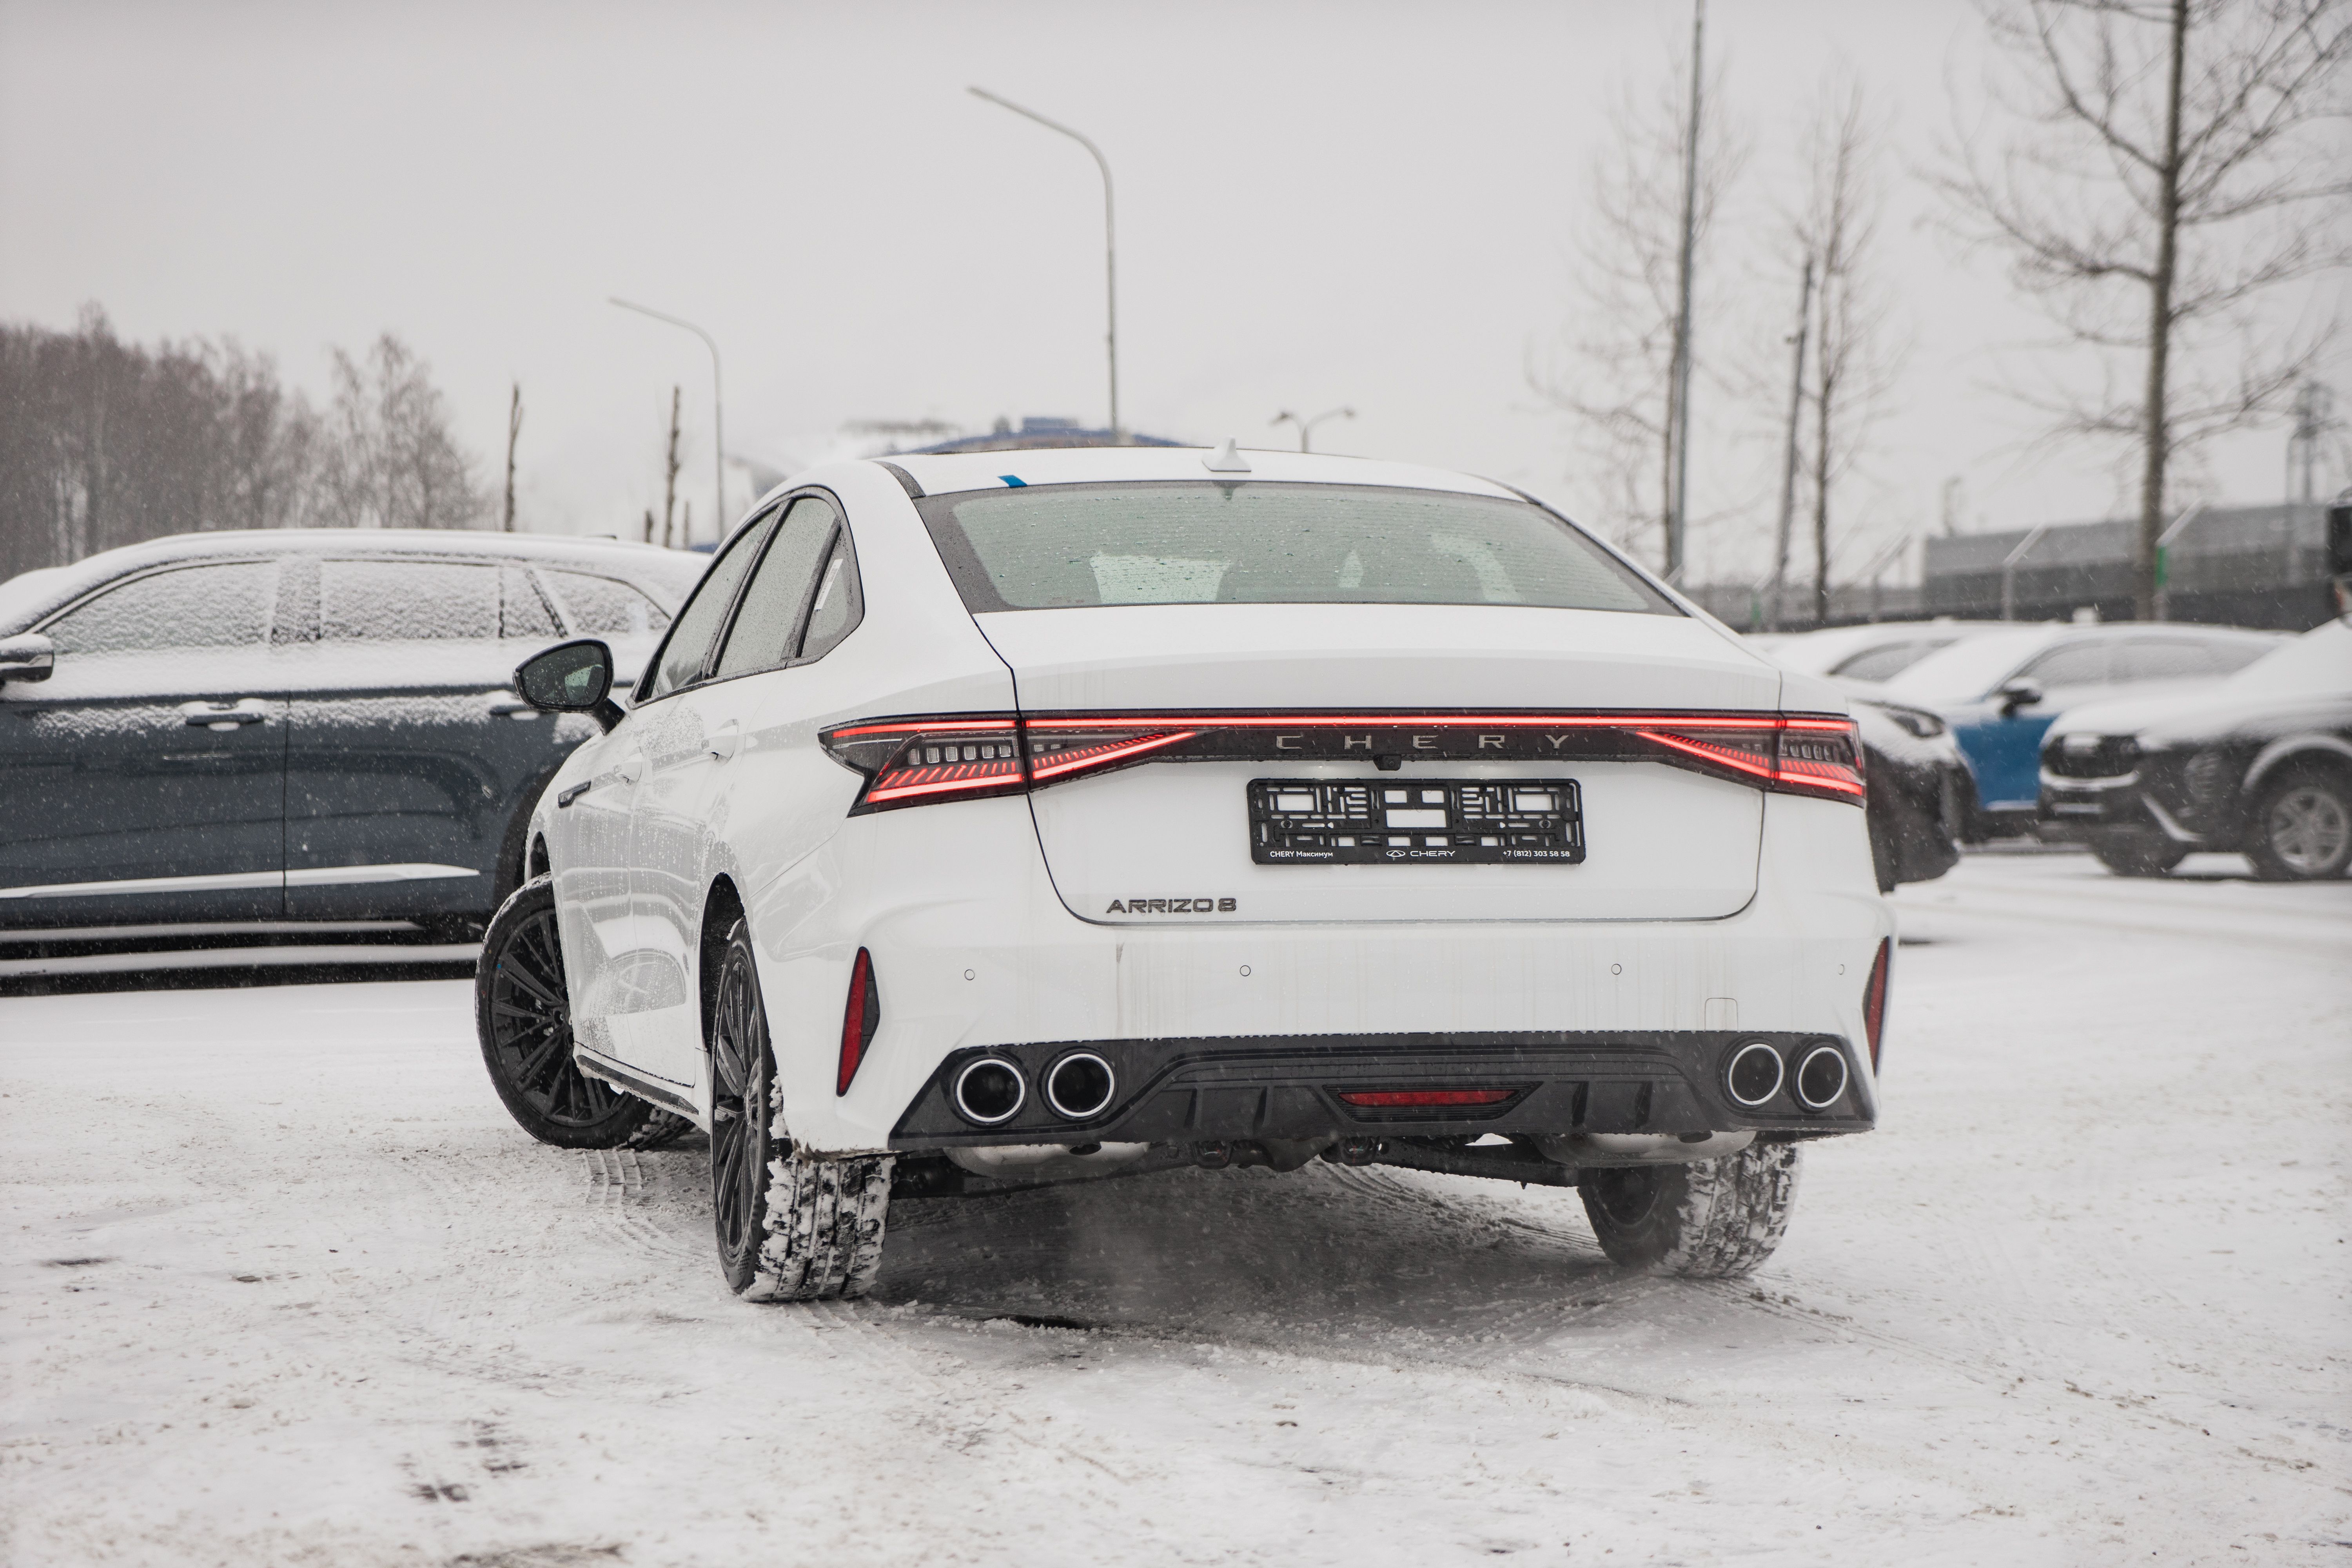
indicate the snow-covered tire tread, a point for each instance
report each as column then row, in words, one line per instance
column 1713, row 1219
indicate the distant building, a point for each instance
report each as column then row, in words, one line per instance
column 2247, row 566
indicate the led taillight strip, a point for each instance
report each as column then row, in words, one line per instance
column 877, row 747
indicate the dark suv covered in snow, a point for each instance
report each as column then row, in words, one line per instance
column 2260, row 764
column 294, row 725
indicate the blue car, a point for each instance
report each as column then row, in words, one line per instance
column 2001, row 690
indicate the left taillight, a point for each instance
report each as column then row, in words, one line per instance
column 914, row 762
column 860, row 1016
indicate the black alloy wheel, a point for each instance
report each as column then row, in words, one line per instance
column 522, row 1013
column 742, row 1116
column 2303, row 826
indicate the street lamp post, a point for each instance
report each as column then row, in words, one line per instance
column 1307, row 426
column 1110, row 245
column 717, row 415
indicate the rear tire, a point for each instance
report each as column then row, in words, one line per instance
column 2301, row 827
column 2137, row 856
column 1715, row 1219
column 789, row 1228
column 522, row 1015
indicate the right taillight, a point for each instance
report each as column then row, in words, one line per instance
column 1873, row 1000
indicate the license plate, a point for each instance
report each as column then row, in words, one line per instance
column 1308, row 822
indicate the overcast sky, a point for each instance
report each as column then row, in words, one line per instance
column 1318, row 205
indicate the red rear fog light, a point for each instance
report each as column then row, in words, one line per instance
column 1391, row 1098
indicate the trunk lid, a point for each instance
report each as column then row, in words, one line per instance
column 1440, row 690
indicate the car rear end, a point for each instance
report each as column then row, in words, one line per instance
column 1337, row 808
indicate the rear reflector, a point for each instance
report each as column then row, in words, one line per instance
column 918, row 761
column 1391, row 1098
column 1873, row 999
column 859, row 1018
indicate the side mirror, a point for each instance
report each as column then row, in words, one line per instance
column 571, row 678
column 2017, row 694
column 27, row 657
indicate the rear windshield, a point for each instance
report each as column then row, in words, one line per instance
column 1059, row 547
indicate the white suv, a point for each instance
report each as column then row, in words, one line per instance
column 996, row 819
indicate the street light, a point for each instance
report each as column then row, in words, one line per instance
column 1110, row 247
column 1307, row 426
column 718, row 417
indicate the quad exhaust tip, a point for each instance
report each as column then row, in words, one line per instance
column 989, row 1090
column 1080, row 1086
column 1752, row 1077
column 1821, row 1077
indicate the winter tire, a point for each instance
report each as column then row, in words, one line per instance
column 522, row 1014
column 1716, row 1219
column 2138, row 857
column 2301, row 826
column 789, row 1228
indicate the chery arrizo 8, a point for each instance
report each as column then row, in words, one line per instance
column 993, row 819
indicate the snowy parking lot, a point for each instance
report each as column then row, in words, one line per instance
column 284, row 1285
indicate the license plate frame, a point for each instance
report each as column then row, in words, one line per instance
column 1391, row 822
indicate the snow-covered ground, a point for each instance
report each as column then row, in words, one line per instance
column 284, row 1286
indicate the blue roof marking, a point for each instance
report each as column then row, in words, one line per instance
column 1015, row 481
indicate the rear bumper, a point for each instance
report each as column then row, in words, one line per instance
column 974, row 950
column 1291, row 1088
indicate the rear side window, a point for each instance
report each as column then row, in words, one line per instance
column 226, row 604
column 840, row 602
column 604, row 606
column 407, row 600
column 1048, row 547
column 767, row 629
column 687, row 651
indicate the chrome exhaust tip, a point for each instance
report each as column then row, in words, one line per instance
column 1080, row 1086
column 1752, row 1077
column 1821, row 1077
column 989, row 1090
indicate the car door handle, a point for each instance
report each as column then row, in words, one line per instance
column 226, row 716
column 574, row 792
column 513, row 707
column 723, row 742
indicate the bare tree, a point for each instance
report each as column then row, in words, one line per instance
column 1615, row 371
column 669, row 475
column 2164, row 177
column 1856, row 355
column 514, row 436
column 391, row 460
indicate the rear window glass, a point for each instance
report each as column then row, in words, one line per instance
column 1886, row 661
column 1079, row 546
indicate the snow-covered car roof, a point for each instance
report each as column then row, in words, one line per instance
column 1821, row 652
column 2316, row 665
column 667, row 574
column 1973, row 667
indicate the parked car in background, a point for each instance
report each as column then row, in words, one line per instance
column 1922, row 796
column 2001, row 690
column 2260, row 764
column 294, row 725
column 1878, row 651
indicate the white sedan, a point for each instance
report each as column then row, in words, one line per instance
column 989, row 819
